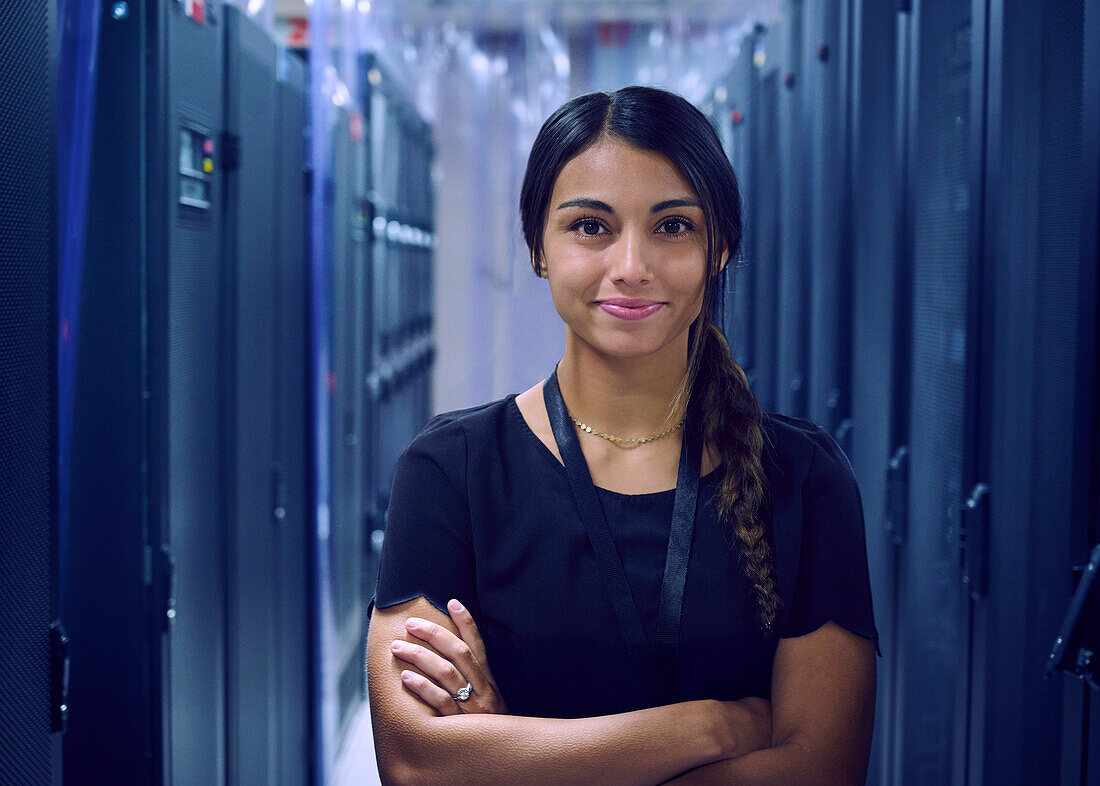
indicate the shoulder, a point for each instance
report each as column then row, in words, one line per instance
column 802, row 450
column 450, row 434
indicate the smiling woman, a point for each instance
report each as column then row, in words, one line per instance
column 634, row 607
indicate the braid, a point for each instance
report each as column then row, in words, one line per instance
column 731, row 422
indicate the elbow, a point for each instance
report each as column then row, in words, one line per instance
column 823, row 764
column 396, row 774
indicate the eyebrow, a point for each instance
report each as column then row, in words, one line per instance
column 595, row 204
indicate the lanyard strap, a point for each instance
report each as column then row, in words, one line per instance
column 657, row 671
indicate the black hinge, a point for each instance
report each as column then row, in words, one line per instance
column 307, row 179
column 59, row 677
column 168, row 597
column 897, row 495
column 975, row 531
column 231, row 152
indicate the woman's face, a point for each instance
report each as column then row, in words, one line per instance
column 625, row 250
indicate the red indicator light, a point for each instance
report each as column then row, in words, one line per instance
column 196, row 9
column 356, row 126
column 736, row 116
column 208, row 147
column 330, row 381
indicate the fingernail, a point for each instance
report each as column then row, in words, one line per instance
column 455, row 606
column 396, row 646
column 406, row 675
column 412, row 622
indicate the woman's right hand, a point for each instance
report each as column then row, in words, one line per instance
column 744, row 725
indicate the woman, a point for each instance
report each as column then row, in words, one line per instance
column 660, row 582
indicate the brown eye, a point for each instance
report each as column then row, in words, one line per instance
column 588, row 227
column 677, row 226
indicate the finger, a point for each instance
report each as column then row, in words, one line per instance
column 442, row 671
column 467, row 628
column 433, row 695
column 449, row 646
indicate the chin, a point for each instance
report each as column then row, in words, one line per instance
column 627, row 346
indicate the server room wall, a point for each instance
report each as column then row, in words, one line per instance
column 950, row 256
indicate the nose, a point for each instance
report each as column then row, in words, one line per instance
column 629, row 259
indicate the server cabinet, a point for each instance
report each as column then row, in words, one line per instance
column 945, row 136
column 145, row 452
column 188, row 468
column 792, row 340
column 767, row 222
column 740, row 127
column 294, row 557
column 31, row 711
column 1039, row 258
column 401, row 209
column 189, row 324
column 348, row 292
column 263, row 302
column 825, row 53
column 880, row 343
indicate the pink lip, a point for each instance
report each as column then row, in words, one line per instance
column 630, row 308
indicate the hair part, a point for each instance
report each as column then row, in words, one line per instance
column 714, row 390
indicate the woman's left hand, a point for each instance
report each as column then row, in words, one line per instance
column 460, row 660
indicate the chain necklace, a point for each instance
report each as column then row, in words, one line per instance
column 633, row 442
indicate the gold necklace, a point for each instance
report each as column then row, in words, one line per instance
column 633, row 441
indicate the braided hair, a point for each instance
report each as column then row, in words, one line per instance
column 714, row 390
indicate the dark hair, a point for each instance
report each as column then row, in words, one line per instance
column 715, row 388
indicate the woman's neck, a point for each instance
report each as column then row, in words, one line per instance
column 627, row 397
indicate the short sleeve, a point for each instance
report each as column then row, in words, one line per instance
column 427, row 548
column 833, row 579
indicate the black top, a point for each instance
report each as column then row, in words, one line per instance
column 481, row 510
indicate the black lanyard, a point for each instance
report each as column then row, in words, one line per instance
column 657, row 670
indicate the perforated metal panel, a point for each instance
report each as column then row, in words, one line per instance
column 28, row 392
column 932, row 596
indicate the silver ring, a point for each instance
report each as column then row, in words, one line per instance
column 463, row 693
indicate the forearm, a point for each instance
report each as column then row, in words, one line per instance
column 642, row 747
column 782, row 765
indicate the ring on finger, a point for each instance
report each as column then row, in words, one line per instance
column 463, row 693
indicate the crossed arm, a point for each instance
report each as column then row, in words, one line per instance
column 820, row 719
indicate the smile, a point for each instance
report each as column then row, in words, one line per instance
column 630, row 309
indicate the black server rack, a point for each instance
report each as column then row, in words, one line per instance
column 767, row 221
column 293, row 439
column 400, row 207
column 32, row 711
column 738, row 120
column 349, row 323
column 968, row 135
column 264, row 407
column 145, row 480
column 935, row 678
column 187, row 562
column 825, row 55
column 880, row 354
column 1038, row 415
column 792, row 344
